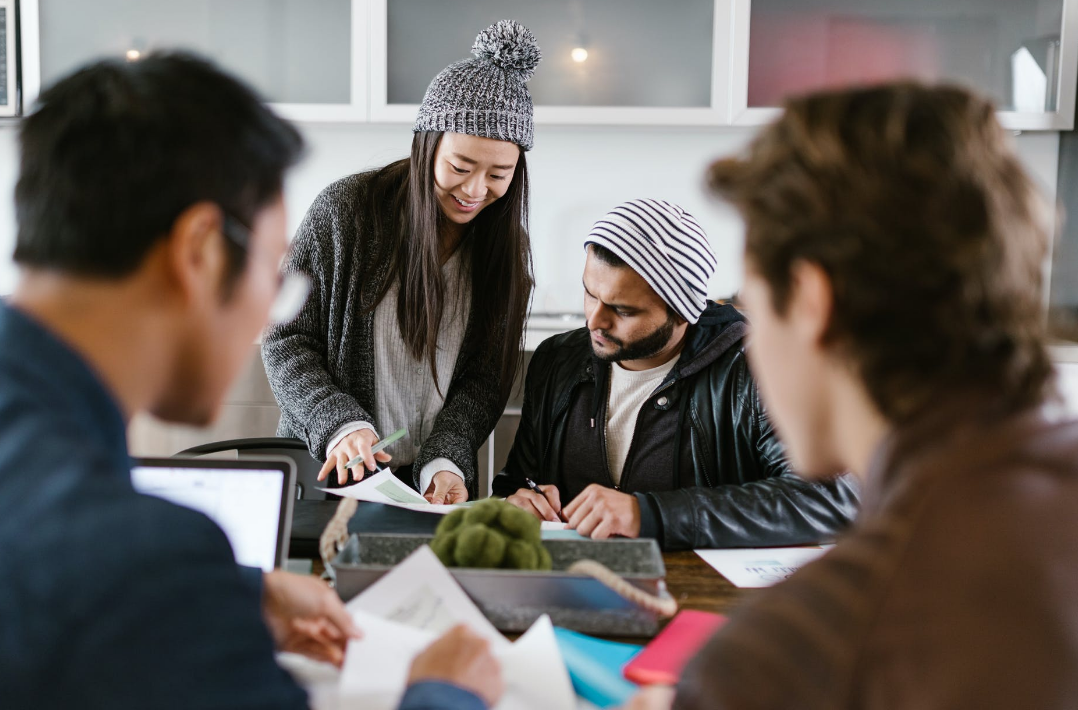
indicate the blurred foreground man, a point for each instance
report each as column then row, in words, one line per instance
column 894, row 254
column 151, row 228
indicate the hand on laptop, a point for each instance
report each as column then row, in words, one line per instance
column 305, row 616
column 463, row 658
column 600, row 512
column 358, row 443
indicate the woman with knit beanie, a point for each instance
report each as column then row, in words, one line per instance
column 421, row 274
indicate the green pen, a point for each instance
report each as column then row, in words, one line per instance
column 398, row 434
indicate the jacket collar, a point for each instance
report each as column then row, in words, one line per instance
column 62, row 380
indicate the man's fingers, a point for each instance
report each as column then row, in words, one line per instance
column 575, row 506
column 589, row 523
column 582, row 509
column 602, row 530
column 553, row 496
column 337, row 615
column 383, row 457
column 524, row 503
column 458, row 496
column 543, row 506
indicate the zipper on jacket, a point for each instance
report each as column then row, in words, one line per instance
column 604, row 405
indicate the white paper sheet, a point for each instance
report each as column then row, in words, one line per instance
column 384, row 487
column 409, row 608
column 376, row 667
column 763, row 566
column 421, row 593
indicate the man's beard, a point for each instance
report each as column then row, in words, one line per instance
column 640, row 349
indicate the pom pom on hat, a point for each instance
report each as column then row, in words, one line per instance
column 510, row 45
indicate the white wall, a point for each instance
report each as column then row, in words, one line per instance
column 577, row 174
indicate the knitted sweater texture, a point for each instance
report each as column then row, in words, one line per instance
column 321, row 366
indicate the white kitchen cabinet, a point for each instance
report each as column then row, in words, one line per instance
column 1022, row 53
column 604, row 61
column 308, row 58
column 683, row 62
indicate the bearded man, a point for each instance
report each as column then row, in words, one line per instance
column 647, row 422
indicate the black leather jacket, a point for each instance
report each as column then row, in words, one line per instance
column 705, row 464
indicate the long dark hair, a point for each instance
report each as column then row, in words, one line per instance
column 496, row 240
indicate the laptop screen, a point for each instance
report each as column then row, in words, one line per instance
column 247, row 503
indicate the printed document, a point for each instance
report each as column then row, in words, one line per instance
column 761, row 567
column 413, row 604
column 384, row 487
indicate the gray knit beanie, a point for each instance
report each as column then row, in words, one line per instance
column 666, row 246
column 486, row 96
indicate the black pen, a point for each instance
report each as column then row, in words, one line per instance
column 537, row 489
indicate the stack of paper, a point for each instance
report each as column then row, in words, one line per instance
column 403, row 613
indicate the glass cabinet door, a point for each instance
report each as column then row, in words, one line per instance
column 611, row 55
column 1008, row 50
column 293, row 52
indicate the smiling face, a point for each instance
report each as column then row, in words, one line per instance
column 471, row 173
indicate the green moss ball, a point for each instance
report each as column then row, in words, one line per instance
column 480, row 546
column 519, row 524
column 444, row 545
column 451, row 522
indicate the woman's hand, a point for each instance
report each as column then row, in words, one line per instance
column 446, row 487
column 358, row 443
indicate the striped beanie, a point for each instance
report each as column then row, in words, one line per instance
column 665, row 245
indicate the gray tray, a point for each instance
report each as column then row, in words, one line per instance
column 513, row 599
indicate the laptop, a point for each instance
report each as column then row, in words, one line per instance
column 250, row 499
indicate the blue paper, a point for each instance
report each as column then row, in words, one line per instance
column 595, row 667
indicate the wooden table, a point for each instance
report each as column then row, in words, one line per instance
column 696, row 585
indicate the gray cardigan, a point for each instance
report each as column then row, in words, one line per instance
column 321, row 365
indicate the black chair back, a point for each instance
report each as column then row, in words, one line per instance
column 307, row 467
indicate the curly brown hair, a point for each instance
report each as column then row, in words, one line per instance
column 912, row 200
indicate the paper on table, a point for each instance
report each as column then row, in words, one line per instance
column 761, row 567
column 534, row 671
column 376, row 667
column 384, row 487
column 409, row 607
column 421, row 593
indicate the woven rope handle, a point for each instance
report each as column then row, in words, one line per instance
column 663, row 606
column 335, row 535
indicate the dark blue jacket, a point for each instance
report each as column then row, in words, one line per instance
column 108, row 598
